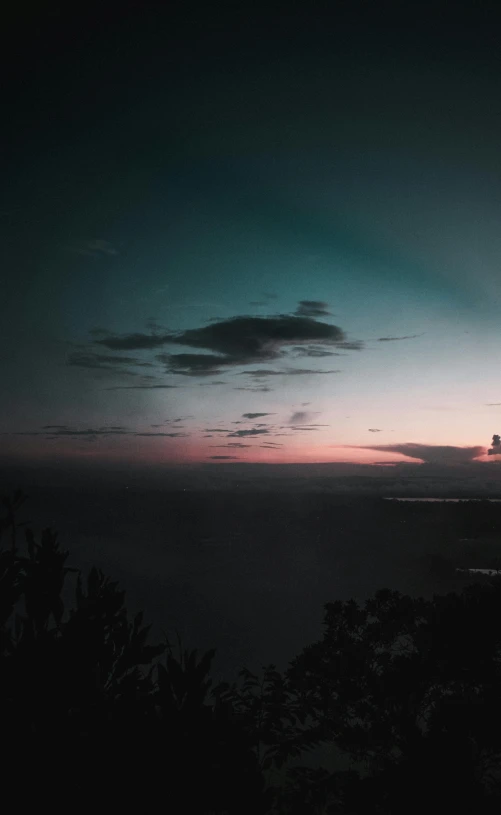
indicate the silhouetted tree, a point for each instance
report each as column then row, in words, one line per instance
column 409, row 688
column 90, row 716
column 412, row 688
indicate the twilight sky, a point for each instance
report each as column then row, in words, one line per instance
column 228, row 235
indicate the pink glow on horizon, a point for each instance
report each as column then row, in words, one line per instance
column 128, row 450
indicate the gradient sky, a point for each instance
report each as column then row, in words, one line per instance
column 233, row 236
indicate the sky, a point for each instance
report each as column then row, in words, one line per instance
column 257, row 237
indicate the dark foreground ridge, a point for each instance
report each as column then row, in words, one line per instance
column 93, row 714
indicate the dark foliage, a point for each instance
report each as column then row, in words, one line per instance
column 92, row 713
column 413, row 689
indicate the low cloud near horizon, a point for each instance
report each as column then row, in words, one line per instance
column 430, row 453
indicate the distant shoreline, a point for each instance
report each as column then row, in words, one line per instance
column 386, row 498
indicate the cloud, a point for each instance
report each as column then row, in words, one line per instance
column 238, row 341
column 223, row 458
column 103, row 362
column 139, row 387
column 245, row 340
column 429, row 453
column 495, row 449
column 300, row 417
column 262, row 389
column 351, row 345
column 94, row 248
column 92, row 432
column 216, row 430
column 232, row 444
column 242, row 338
column 214, row 382
column 134, row 342
column 75, row 432
column 395, row 339
column 154, row 325
column 313, row 351
column 256, row 415
column 57, row 431
column 170, row 435
column 263, row 372
column 493, row 404
column 240, row 433
column 375, row 430
column 312, row 308
column 192, row 364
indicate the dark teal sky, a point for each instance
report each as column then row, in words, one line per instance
column 166, row 171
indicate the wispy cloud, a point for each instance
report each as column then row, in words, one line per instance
column 232, row 444
column 312, row 308
column 139, row 387
column 395, row 339
column 134, row 342
column 106, row 362
column 314, row 352
column 94, row 248
column 58, row 431
column 261, row 389
column 254, row 432
column 301, row 417
column 256, row 415
column 261, row 373
column 73, row 432
column 169, row 435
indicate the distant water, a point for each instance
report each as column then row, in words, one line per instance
column 430, row 500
